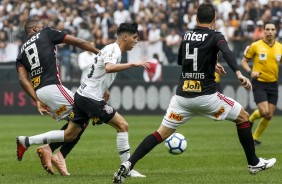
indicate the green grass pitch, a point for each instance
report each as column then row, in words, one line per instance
column 213, row 155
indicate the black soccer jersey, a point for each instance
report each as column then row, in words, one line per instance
column 197, row 55
column 38, row 56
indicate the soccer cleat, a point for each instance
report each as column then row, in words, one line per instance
column 45, row 155
column 262, row 165
column 59, row 162
column 122, row 172
column 22, row 146
column 256, row 142
column 134, row 173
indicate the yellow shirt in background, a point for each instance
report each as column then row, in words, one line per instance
column 265, row 59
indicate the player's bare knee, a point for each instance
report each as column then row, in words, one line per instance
column 122, row 126
column 243, row 117
column 69, row 137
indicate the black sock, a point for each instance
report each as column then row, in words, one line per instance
column 145, row 147
column 68, row 146
column 56, row 145
column 246, row 139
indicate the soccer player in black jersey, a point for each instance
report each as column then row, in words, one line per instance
column 196, row 93
column 37, row 60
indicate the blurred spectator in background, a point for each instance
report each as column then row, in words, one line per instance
column 99, row 19
column 121, row 15
column 259, row 31
column 64, row 56
column 153, row 74
column 85, row 60
column 173, row 41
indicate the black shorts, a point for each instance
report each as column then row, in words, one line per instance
column 265, row 91
column 85, row 108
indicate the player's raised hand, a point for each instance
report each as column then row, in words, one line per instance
column 42, row 108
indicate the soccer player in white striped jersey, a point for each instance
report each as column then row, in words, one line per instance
column 88, row 100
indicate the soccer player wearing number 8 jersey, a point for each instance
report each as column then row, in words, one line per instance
column 196, row 93
column 37, row 66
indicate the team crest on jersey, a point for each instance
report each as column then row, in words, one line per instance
column 62, row 109
column 262, row 56
column 35, row 81
column 219, row 112
column 192, row 86
column 108, row 109
column 177, row 117
column 278, row 58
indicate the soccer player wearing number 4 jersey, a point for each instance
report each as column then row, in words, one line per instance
column 266, row 54
column 89, row 100
column 196, row 94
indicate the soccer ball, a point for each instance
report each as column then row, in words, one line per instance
column 176, row 144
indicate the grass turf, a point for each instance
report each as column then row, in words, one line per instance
column 213, row 155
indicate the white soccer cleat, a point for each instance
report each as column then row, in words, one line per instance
column 262, row 165
column 122, row 172
column 134, row 173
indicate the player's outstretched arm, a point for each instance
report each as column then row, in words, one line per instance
column 84, row 45
column 27, row 86
column 111, row 68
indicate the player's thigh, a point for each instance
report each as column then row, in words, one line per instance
column 119, row 123
column 178, row 112
column 58, row 98
column 218, row 107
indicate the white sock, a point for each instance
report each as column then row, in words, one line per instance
column 123, row 146
column 48, row 137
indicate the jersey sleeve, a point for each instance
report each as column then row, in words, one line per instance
column 19, row 61
column 55, row 36
column 111, row 55
column 179, row 56
column 227, row 54
column 249, row 51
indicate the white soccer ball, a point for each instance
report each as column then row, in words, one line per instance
column 176, row 144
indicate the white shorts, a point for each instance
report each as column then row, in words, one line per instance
column 58, row 98
column 215, row 106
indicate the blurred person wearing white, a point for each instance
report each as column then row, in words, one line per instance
column 85, row 60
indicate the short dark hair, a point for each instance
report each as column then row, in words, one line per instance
column 127, row 28
column 270, row 22
column 206, row 13
column 29, row 24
